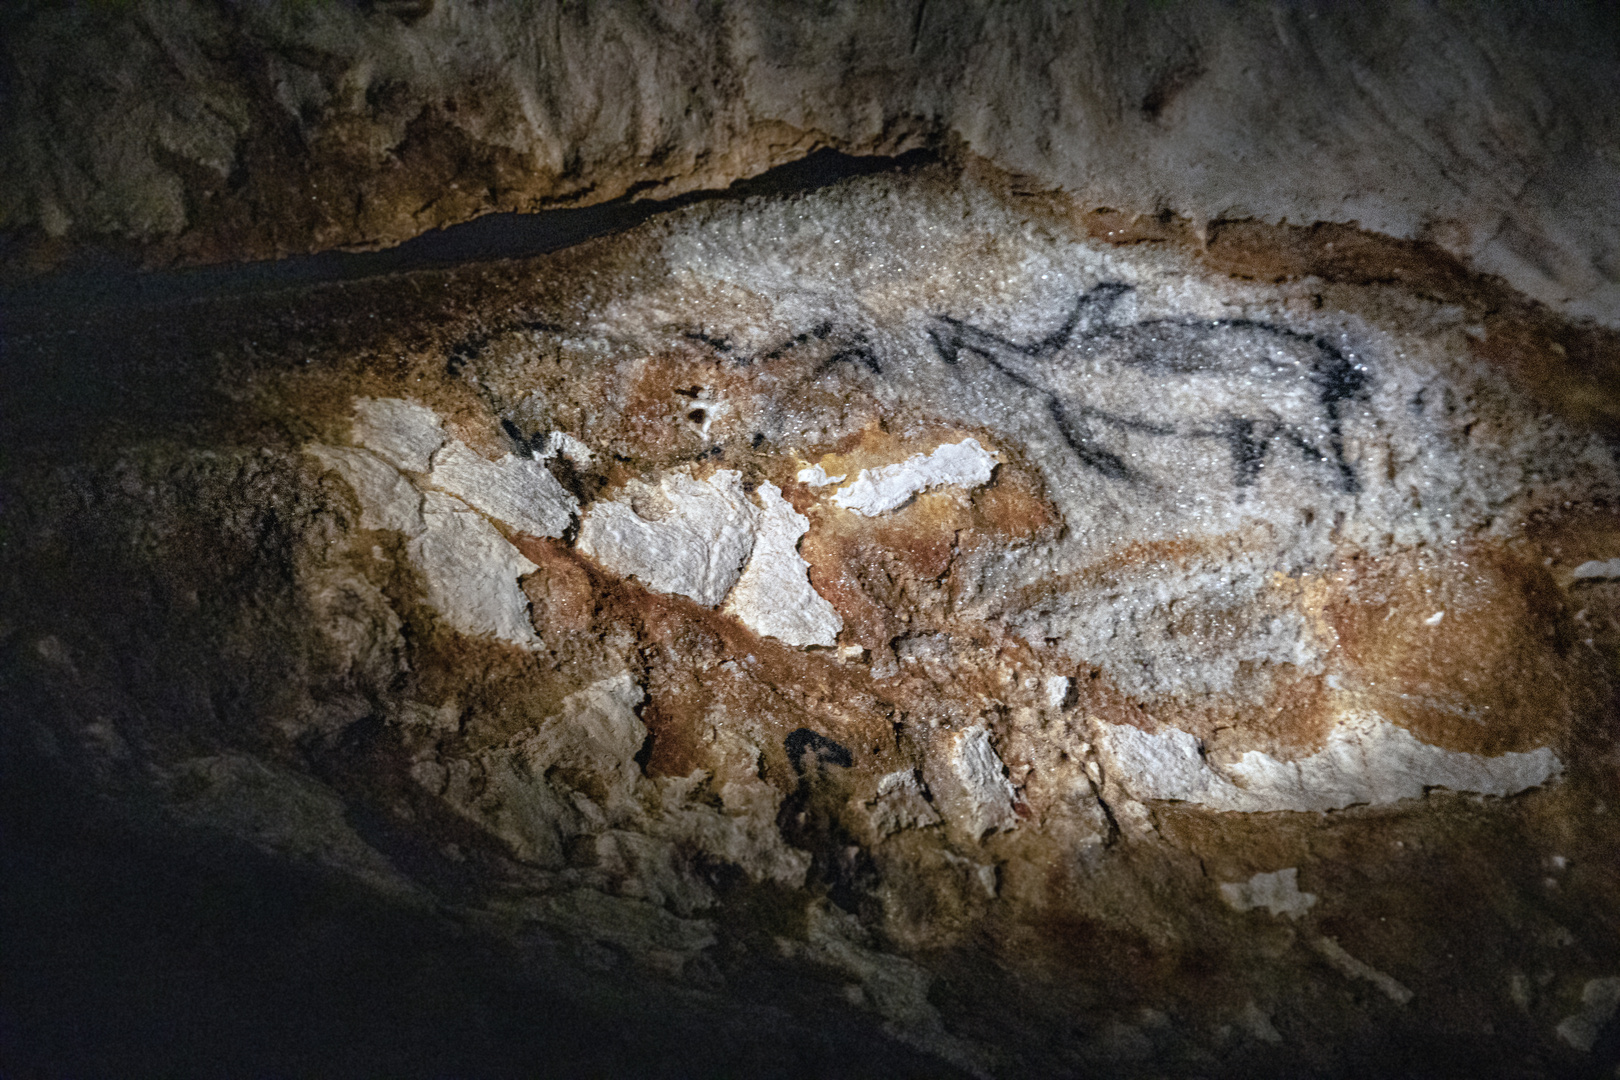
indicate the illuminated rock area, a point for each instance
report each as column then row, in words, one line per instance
column 1010, row 631
column 934, row 623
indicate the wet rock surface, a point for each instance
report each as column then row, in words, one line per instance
column 1041, row 642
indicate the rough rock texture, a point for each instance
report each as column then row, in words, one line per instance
column 1253, row 713
column 192, row 131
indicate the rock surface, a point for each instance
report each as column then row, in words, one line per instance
column 1243, row 704
column 191, row 132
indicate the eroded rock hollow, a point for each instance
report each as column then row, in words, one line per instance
column 928, row 623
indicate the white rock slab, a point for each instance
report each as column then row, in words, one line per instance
column 471, row 572
column 876, row 491
column 816, row 476
column 517, row 491
column 1609, row 568
column 402, row 433
column 774, row 596
column 387, row 499
column 1351, row 968
column 696, row 548
column 1367, row 759
column 984, row 780
column 1277, row 892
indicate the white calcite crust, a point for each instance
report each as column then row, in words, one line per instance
column 1278, row 892
column 816, row 476
column 387, row 499
column 1367, row 760
column 471, row 572
column 563, row 444
column 469, row 569
column 402, row 433
column 876, row 491
column 774, row 596
column 984, row 781
column 696, row 548
column 518, row 491
column 1599, row 571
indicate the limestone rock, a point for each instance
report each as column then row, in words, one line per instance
column 774, row 596
column 471, row 572
column 348, row 125
column 1006, row 768
column 695, row 547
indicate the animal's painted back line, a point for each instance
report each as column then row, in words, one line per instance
column 1087, row 329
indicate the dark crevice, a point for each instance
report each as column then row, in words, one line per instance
column 492, row 237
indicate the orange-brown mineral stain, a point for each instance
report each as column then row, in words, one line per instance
column 880, row 572
column 1475, row 650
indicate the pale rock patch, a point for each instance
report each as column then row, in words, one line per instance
column 901, row 803
column 597, row 734
column 876, row 491
column 1057, row 690
column 471, row 572
column 640, row 928
column 896, row 988
column 1594, row 570
column 774, row 596
column 1351, row 968
column 1600, row 998
column 560, row 443
column 387, row 499
column 520, row 492
column 816, row 476
column 402, row 433
column 697, row 546
column 1277, row 892
column 1367, row 759
column 1255, row 1021
column 984, row 780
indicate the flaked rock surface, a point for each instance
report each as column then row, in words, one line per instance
column 1211, row 673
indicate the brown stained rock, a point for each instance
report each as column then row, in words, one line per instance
column 1487, row 660
column 652, row 778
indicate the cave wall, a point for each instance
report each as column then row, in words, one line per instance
column 1130, row 589
column 201, row 132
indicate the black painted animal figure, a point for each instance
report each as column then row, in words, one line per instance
column 1247, row 385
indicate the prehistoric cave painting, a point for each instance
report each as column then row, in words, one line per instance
column 1247, row 384
column 854, row 348
column 803, row 742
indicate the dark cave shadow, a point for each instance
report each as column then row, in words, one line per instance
column 113, row 284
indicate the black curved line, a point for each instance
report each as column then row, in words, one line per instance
column 1335, row 377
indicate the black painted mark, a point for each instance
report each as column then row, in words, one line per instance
column 804, row 741
column 718, row 344
column 860, row 353
column 472, row 346
column 1148, row 358
column 819, row 333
